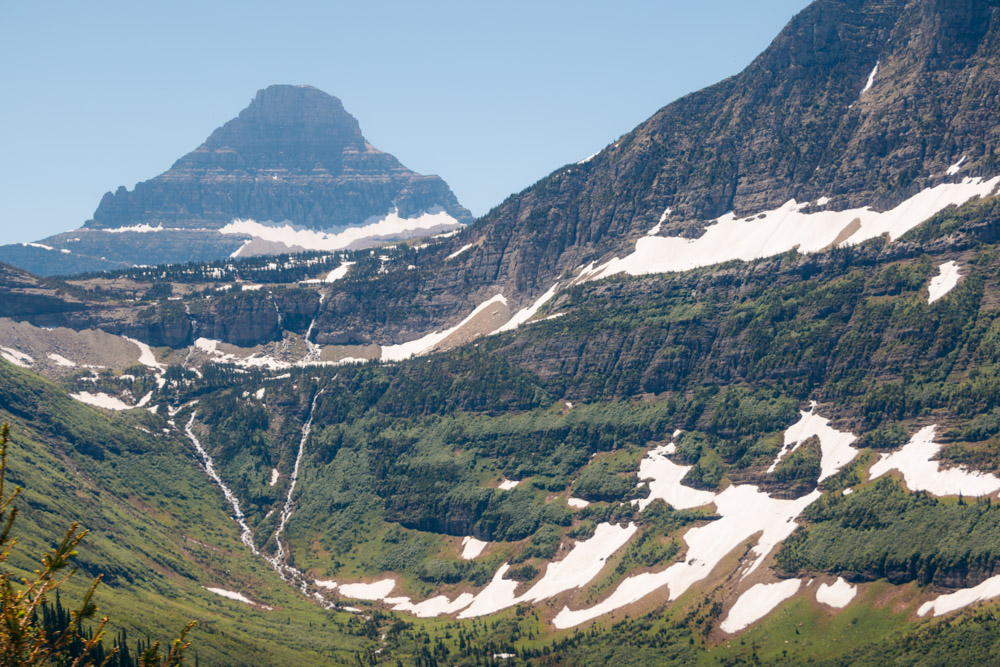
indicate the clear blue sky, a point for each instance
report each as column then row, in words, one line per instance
column 490, row 96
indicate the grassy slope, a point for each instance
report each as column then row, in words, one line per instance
column 158, row 532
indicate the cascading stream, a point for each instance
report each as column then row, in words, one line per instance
column 286, row 510
column 287, row 573
column 314, row 349
column 246, row 535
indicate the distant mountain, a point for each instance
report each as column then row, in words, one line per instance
column 291, row 172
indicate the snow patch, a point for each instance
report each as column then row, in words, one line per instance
column 943, row 282
column 471, row 547
column 432, row 607
column 584, row 561
column 785, row 228
column 101, row 400
column 664, row 479
column 835, row 445
column 391, row 224
column 61, row 360
column 142, row 229
column 146, row 356
column 578, row 503
column 274, row 477
column 837, row 595
column 374, row 591
column 949, row 602
column 757, row 602
column 663, row 218
column 955, row 168
column 232, row 595
column 743, row 511
column 428, row 342
column 923, row 474
column 458, row 252
column 338, row 272
column 259, row 394
column 508, row 484
column 871, row 78
column 525, row 314
column 207, row 345
column 16, row 357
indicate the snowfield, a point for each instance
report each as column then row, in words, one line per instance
column 786, row 228
column 923, row 474
column 944, row 282
column 757, row 602
column 390, row 225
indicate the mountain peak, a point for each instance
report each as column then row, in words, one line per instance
column 284, row 114
column 294, row 155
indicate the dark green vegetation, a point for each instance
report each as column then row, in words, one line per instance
column 882, row 532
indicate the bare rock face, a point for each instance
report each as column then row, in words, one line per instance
column 294, row 155
column 801, row 121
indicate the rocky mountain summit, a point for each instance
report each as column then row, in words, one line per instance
column 855, row 103
column 294, row 154
column 291, row 172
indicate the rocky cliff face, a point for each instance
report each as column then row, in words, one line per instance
column 294, row 154
column 811, row 117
